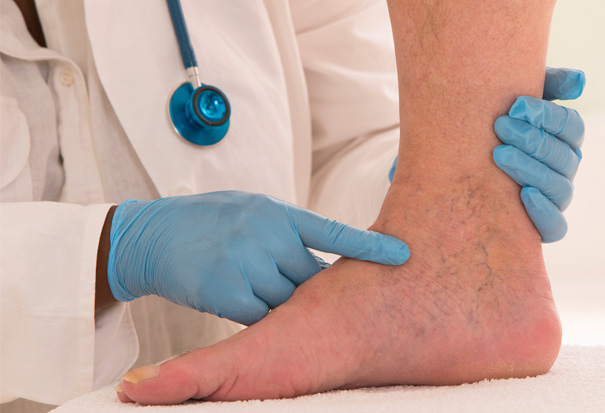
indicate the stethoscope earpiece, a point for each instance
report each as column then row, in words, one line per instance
column 201, row 116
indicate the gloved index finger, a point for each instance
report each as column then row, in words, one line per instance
column 563, row 84
column 331, row 236
column 566, row 124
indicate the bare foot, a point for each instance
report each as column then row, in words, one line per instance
column 473, row 302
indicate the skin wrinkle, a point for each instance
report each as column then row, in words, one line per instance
column 429, row 293
column 233, row 382
column 312, row 358
column 418, row 305
column 368, row 325
column 441, row 298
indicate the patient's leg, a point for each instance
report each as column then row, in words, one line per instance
column 474, row 300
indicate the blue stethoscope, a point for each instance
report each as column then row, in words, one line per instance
column 199, row 113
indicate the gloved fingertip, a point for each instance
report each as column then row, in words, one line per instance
column 554, row 234
column 564, row 84
column 392, row 171
column 406, row 253
column 547, row 218
column 396, row 252
column 501, row 125
column 503, row 156
column 518, row 108
column 248, row 320
column 530, row 190
column 573, row 88
column 500, row 149
column 551, row 240
column 249, row 310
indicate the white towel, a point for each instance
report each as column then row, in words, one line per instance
column 576, row 383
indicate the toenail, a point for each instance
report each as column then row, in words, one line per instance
column 118, row 388
column 141, row 374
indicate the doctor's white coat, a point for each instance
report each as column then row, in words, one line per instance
column 314, row 122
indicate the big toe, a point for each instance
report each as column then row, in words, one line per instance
column 191, row 376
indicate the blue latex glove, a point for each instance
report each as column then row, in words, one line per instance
column 542, row 150
column 232, row 254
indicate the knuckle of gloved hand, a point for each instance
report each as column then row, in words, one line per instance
column 580, row 123
column 256, row 201
column 562, row 200
column 568, row 191
column 248, row 212
column 265, row 205
column 578, row 153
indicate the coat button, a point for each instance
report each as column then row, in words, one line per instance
column 66, row 77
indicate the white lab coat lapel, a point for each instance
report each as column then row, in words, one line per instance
column 139, row 65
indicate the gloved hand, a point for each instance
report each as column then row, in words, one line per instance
column 542, row 150
column 232, row 254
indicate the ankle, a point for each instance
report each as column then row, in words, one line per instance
column 476, row 209
column 484, row 241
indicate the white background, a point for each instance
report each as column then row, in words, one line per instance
column 576, row 265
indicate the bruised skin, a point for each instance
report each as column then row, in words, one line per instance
column 472, row 303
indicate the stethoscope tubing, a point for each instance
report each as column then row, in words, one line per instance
column 182, row 34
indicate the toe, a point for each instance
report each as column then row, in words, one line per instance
column 121, row 396
column 190, row 376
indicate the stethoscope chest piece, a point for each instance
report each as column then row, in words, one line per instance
column 202, row 115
